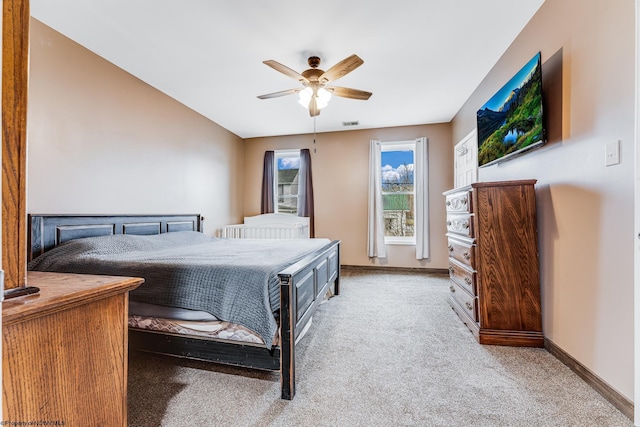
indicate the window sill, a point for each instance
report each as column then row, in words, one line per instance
column 400, row 242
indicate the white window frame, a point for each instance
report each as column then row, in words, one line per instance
column 280, row 154
column 401, row 146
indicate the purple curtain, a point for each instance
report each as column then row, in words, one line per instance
column 305, row 190
column 268, row 199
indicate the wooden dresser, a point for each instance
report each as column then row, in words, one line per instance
column 64, row 351
column 493, row 261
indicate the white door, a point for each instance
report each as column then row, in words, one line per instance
column 465, row 163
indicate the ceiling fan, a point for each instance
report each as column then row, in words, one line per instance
column 315, row 93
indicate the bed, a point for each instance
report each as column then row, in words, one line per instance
column 300, row 283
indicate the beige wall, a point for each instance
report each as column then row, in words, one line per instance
column 102, row 141
column 340, row 179
column 585, row 210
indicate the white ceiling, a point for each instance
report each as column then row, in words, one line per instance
column 422, row 58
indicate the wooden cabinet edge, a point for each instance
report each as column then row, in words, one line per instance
column 511, row 338
column 74, row 290
column 504, row 183
column 498, row 337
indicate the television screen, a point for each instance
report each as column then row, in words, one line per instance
column 511, row 121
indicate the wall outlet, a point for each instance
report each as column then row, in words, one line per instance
column 612, row 153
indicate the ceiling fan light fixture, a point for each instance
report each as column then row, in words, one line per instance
column 322, row 100
column 305, row 97
column 322, row 97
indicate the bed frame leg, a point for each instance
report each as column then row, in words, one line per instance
column 289, row 318
column 336, row 283
column 287, row 337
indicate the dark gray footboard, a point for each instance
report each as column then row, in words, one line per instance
column 302, row 288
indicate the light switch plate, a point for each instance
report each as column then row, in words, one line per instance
column 612, row 153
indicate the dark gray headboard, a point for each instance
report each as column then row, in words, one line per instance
column 48, row 231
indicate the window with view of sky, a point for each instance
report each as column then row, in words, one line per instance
column 398, row 192
column 288, row 166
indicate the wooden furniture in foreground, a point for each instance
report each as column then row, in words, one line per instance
column 493, row 261
column 15, row 77
column 64, row 351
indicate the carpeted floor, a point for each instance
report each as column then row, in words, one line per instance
column 388, row 351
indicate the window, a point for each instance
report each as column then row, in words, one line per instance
column 287, row 165
column 398, row 192
column 398, row 196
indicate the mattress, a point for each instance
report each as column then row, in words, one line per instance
column 181, row 321
column 152, row 317
column 213, row 329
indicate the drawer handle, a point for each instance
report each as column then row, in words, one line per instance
column 466, row 256
column 451, row 288
column 450, row 248
column 469, row 306
column 451, row 269
column 465, row 224
column 467, row 280
column 449, row 223
column 457, row 203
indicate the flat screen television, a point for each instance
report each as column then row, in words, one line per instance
column 511, row 122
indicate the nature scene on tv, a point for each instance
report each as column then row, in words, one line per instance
column 512, row 119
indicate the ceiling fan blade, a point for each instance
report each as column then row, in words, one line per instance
column 281, row 93
column 341, row 69
column 286, row 70
column 346, row 92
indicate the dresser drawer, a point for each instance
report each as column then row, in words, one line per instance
column 463, row 252
column 464, row 277
column 464, row 300
column 459, row 202
column 460, row 224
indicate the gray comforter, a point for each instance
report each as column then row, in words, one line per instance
column 233, row 279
